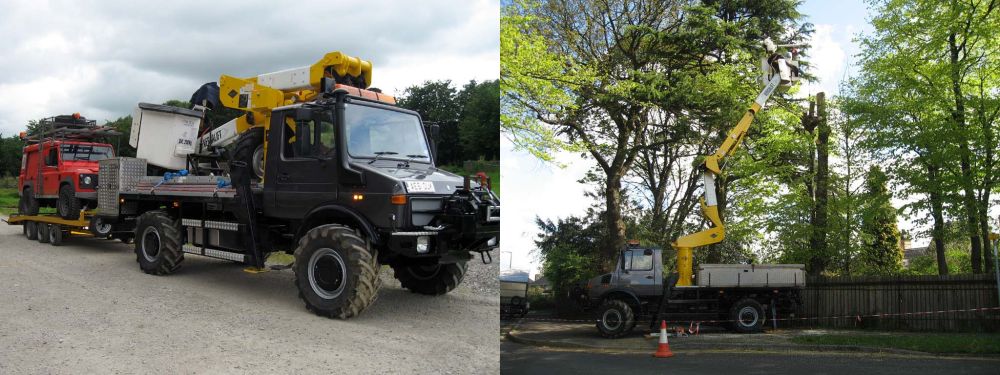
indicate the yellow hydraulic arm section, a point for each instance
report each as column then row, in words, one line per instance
column 259, row 95
column 709, row 205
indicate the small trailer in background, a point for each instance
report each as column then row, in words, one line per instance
column 514, row 293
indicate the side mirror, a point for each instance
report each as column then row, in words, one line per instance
column 435, row 133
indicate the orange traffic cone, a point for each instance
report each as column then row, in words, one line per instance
column 663, row 350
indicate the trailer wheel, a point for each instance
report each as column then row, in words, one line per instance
column 67, row 204
column 250, row 149
column 430, row 279
column 27, row 204
column 615, row 318
column 42, row 232
column 336, row 271
column 30, row 230
column 747, row 316
column 55, row 235
column 158, row 249
column 99, row 228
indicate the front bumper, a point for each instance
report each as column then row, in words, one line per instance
column 468, row 221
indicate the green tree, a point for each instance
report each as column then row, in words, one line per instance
column 927, row 93
column 880, row 253
column 614, row 79
column 479, row 122
column 436, row 104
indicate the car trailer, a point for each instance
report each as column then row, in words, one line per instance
column 53, row 229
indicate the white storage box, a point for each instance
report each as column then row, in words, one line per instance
column 164, row 135
column 752, row 275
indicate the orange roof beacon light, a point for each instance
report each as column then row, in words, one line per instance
column 633, row 243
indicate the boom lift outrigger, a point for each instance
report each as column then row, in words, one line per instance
column 780, row 74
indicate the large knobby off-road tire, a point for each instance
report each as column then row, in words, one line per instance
column 430, row 279
column 747, row 316
column 158, row 248
column 615, row 318
column 336, row 271
column 250, row 150
column 27, row 204
column 31, row 230
column 67, row 205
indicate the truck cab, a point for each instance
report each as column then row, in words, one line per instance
column 59, row 166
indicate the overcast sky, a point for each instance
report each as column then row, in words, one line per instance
column 100, row 58
column 532, row 188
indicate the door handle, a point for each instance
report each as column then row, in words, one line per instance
column 649, row 277
column 283, row 177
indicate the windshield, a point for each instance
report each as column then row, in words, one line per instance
column 72, row 152
column 384, row 133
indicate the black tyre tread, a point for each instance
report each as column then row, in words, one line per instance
column 172, row 255
column 56, row 235
column 628, row 315
column 42, row 231
column 733, row 310
column 27, row 204
column 448, row 278
column 246, row 144
column 365, row 259
column 67, row 204
column 31, row 230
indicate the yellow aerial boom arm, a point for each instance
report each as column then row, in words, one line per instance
column 781, row 73
column 258, row 95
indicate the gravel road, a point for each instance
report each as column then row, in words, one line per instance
column 85, row 307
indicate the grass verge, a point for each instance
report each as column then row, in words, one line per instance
column 952, row 343
column 491, row 169
column 8, row 201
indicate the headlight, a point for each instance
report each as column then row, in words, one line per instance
column 86, row 180
column 492, row 242
column 423, row 244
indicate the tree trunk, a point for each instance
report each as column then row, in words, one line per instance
column 937, row 211
column 958, row 115
column 616, row 224
column 984, row 229
column 819, row 258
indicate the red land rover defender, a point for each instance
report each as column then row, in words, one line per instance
column 59, row 166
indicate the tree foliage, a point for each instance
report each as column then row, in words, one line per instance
column 468, row 118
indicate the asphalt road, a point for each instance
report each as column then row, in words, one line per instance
column 522, row 359
column 85, row 307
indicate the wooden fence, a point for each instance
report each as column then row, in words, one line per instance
column 866, row 296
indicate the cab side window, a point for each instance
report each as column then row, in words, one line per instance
column 308, row 139
column 639, row 260
column 52, row 158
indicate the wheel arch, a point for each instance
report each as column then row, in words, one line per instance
column 623, row 294
column 336, row 214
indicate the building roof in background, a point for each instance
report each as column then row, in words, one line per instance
column 515, row 276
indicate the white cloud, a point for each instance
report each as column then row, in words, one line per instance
column 826, row 57
column 100, row 58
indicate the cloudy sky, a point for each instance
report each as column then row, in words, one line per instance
column 532, row 188
column 100, row 58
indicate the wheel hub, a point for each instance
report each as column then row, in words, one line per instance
column 150, row 244
column 327, row 273
column 612, row 319
column 748, row 316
